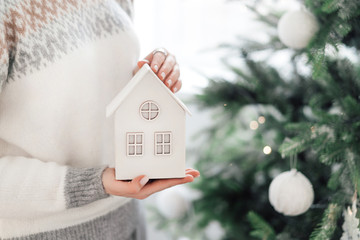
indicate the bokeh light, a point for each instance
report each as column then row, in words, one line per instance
column 261, row 119
column 254, row 125
column 267, row 150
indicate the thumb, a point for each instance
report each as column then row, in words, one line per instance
column 142, row 62
column 139, row 182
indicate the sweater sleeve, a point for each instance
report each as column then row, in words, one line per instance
column 31, row 188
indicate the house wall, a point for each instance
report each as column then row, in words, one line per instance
column 128, row 119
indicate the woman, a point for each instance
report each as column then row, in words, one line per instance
column 62, row 62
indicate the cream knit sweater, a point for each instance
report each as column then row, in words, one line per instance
column 61, row 63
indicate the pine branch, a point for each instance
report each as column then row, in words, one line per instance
column 338, row 20
column 262, row 230
column 352, row 162
column 294, row 146
column 270, row 19
column 328, row 224
column 319, row 115
column 334, row 182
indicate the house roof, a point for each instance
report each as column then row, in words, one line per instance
column 139, row 76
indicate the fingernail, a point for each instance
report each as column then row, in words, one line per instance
column 156, row 68
column 169, row 82
column 163, row 75
column 175, row 89
column 144, row 180
column 144, row 60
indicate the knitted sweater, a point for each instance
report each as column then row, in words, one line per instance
column 61, row 63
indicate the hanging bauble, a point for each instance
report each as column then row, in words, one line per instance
column 214, row 231
column 296, row 28
column 183, row 238
column 171, row 203
column 291, row 193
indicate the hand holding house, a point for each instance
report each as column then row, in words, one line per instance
column 149, row 129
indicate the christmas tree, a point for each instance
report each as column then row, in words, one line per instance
column 268, row 120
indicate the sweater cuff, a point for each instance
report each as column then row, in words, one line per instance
column 83, row 186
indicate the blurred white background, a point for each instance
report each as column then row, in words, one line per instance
column 192, row 31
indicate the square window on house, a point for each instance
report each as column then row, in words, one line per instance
column 159, row 138
column 159, row 149
column 138, row 139
column 162, row 143
column 167, row 138
column 166, row 149
column 135, row 144
column 138, row 150
column 131, row 150
column 131, row 139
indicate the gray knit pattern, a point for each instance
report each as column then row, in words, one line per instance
column 125, row 223
column 83, row 186
column 128, row 7
column 31, row 39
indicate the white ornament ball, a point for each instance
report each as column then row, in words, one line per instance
column 214, row 231
column 291, row 193
column 183, row 238
column 296, row 28
column 172, row 204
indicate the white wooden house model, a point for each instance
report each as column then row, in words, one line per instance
column 149, row 129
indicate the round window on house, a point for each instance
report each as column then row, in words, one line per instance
column 149, row 110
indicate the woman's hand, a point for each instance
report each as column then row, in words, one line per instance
column 165, row 66
column 140, row 187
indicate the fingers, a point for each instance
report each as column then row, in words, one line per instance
column 162, row 184
column 134, row 186
column 142, row 62
column 140, row 187
column 167, row 67
column 176, row 87
column 173, row 76
column 128, row 188
column 155, row 61
column 194, row 173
